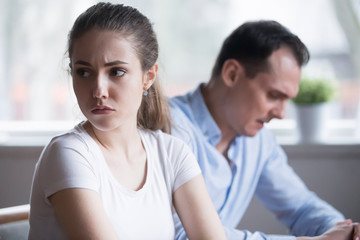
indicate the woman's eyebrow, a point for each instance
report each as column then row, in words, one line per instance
column 117, row 62
column 83, row 63
column 113, row 63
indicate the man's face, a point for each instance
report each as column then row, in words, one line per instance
column 253, row 102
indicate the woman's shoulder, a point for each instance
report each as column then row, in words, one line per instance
column 66, row 149
column 161, row 137
column 165, row 144
column 75, row 138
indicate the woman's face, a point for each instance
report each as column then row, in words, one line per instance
column 108, row 80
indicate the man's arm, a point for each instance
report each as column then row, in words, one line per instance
column 341, row 231
column 282, row 191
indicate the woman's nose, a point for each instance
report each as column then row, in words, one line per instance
column 100, row 90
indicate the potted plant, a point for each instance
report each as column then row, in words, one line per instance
column 312, row 108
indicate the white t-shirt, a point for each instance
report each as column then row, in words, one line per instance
column 74, row 160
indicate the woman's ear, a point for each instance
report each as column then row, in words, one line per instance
column 231, row 72
column 150, row 76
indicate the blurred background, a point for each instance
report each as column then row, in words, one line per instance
column 35, row 85
column 37, row 101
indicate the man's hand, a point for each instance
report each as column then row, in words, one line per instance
column 356, row 235
column 342, row 230
column 346, row 230
column 356, row 228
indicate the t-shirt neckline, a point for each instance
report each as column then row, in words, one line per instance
column 100, row 155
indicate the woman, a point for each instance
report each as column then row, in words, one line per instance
column 116, row 175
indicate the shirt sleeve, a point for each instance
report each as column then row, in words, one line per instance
column 185, row 166
column 65, row 164
column 181, row 129
column 282, row 191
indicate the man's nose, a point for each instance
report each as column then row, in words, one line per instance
column 279, row 110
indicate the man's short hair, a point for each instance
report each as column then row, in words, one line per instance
column 253, row 42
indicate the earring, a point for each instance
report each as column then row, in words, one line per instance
column 146, row 90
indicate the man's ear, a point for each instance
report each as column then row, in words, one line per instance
column 231, row 72
column 150, row 76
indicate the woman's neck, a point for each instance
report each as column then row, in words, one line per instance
column 124, row 154
column 124, row 139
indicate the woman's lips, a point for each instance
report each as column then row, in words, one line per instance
column 102, row 110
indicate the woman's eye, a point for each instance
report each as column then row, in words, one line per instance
column 117, row 72
column 82, row 73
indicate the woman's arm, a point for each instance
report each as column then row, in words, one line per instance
column 196, row 211
column 81, row 214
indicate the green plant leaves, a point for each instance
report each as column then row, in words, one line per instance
column 312, row 91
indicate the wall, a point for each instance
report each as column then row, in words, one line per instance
column 16, row 170
column 332, row 171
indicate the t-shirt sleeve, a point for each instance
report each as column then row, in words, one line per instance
column 65, row 164
column 185, row 165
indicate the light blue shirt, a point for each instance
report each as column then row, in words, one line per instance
column 258, row 166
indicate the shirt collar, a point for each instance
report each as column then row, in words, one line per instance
column 203, row 117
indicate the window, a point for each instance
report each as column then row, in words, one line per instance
column 35, row 86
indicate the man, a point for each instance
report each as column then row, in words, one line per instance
column 258, row 69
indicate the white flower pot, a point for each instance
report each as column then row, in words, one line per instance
column 311, row 122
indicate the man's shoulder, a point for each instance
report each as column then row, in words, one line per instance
column 180, row 105
column 183, row 122
column 181, row 111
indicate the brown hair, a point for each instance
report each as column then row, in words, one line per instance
column 153, row 112
column 253, row 42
